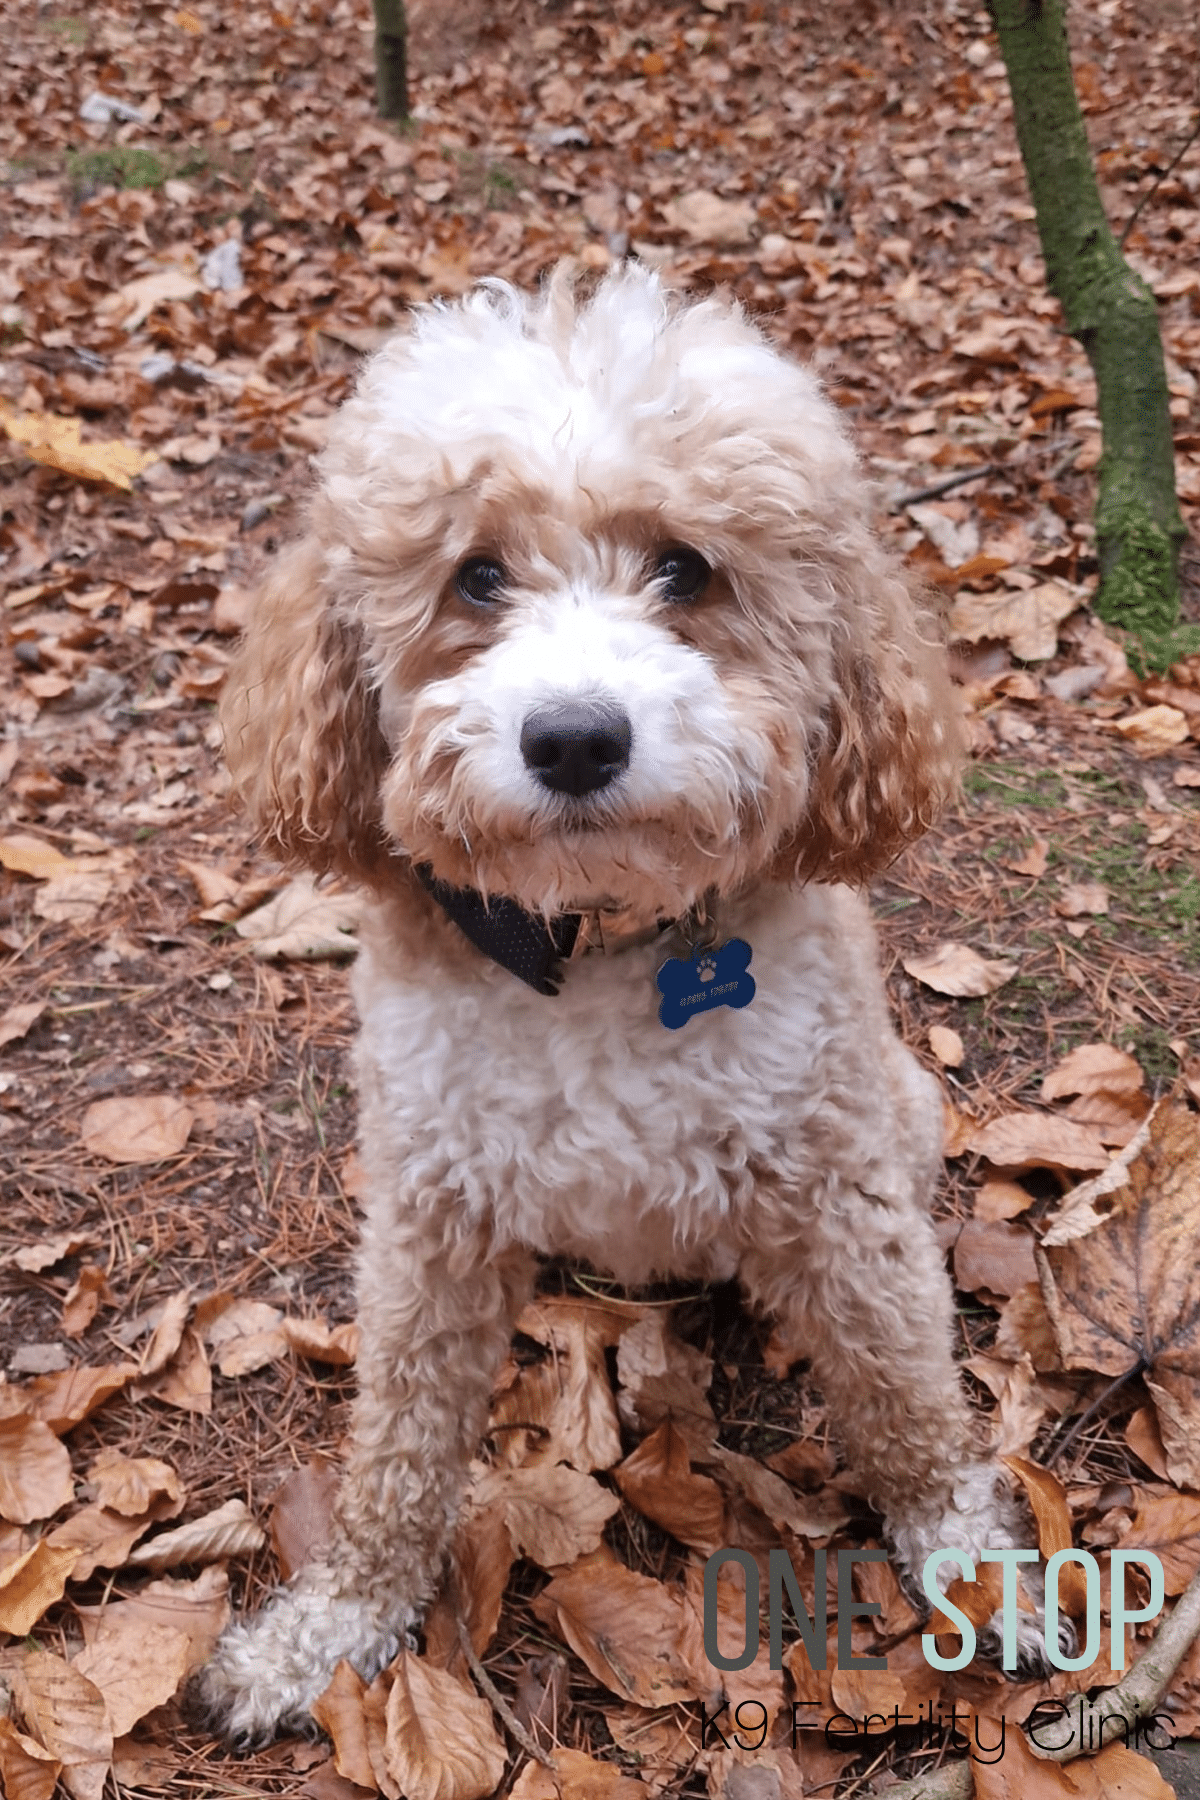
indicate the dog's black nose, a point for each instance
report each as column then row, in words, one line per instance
column 576, row 746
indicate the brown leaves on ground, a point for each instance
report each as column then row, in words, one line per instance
column 1127, row 1296
column 415, row 1731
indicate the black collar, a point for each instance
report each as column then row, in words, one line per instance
column 521, row 942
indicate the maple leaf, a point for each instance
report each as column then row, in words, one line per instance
column 1125, row 1299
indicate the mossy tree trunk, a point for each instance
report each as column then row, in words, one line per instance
column 391, row 59
column 1112, row 312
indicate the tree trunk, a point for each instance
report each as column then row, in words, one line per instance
column 1113, row 314
column 391, row 59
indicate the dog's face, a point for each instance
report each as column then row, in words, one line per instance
column 589, row 613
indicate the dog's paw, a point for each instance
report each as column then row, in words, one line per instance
column 267, row 1671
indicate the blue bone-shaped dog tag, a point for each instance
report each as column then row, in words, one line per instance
column 695, row 984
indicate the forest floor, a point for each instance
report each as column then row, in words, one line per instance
column 193, row 285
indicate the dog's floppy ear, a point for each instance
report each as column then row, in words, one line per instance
column 887, row 760
column 301, row 723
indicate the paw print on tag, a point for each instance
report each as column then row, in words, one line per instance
column 696, row 984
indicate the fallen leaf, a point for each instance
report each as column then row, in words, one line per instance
column 441, row 1741
column 136, row 300
column 958, row 970
column 1155, row 730
column 1145, row 1440
column 1129, row 1294
column 31, row 1584
column 246, row 1335
column 102, row 1539
column 999, row 1199
column 25, row 855
column 228, row 1530
column 28, row 1771
column 314, row 1339
column 1029, row 1140
column 1080, row 899
column 1091, row 1069
column 35, row 1471
column 554, row 1514
column 1020, row 1407
column 1048, row 1504
column 15, row 1021
column 137, row 1128
column 62, row 1708
column 56, row 441
column 624, row 1626
column 576, row 1776
column 1027, row 619
column 61, row 1401
column 1168, row 1524
column 135, row 1664
column 340, row 1713
column 304, row 923
column 198, row 1609
column 72, row 899
column 81, row 1303
column 947, row 1046
column 662, row 1379
column 1115, row 1773
column 1033, row 860
column 131, row 1485
column 167, row 1336
column 302, row 1515
column 32, row 1258
column 483, row 1556
column 659, row 1480
column 996, row 1258
column 705, row 218
column 584, row 1430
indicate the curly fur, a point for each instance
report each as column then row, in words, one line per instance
column 791, row 731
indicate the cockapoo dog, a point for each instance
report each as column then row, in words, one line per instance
column 588, row 665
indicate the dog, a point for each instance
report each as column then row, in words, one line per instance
column 590, row 669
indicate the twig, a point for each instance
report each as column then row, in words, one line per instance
column 1133, row 1698
column 959, row 479
column 507, row 1716
column 1085, row 1418
column 1159, row 179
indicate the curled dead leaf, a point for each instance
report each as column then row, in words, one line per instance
column 1128, row 1295
column 624, row 1626
column 228, row 1530
column 1029, row 1140
column 1091, row 1069
column 35, row 1470
column 135, row 1664
column 137, row 1128
column 305, row 923
column 659, row 1480
column 958, row 970
column 441, row 1742
column 32, row 1584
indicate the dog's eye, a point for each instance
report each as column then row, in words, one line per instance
column 481, row 581
column 684, row 574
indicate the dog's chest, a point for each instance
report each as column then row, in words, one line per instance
column 579, row 1124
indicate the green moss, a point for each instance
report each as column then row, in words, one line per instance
column 1011, row 785
column 130, row 166
column 1140, row 587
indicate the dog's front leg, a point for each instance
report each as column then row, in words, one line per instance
column 436, row 1306
column 861, row 1288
